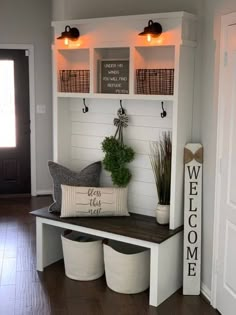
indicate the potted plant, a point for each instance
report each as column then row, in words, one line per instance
column 160, row 158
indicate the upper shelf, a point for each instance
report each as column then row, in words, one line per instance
column 120, row 64
column 138, row 73
column 117, row 96
column 123, row 30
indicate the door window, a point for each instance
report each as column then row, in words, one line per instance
column 7, row 105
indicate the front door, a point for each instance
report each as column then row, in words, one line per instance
column 14, row 122
column 226, row 261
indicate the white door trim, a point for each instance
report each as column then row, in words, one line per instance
column 226, row 21
column 30, row 48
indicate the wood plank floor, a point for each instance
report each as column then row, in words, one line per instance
column 23, row 291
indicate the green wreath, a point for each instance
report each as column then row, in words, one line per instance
column 117, row 154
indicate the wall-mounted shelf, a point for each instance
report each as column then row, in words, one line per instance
column 128, row 71
column 149, row 73
column 116, row 96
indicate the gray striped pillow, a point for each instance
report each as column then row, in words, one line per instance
column 93, row 201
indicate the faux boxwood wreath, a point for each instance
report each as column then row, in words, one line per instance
column 117, row 154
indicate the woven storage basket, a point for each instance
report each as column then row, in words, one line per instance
column 155, row 81
column 74, row 81
column 83, row 256
column 127, row 267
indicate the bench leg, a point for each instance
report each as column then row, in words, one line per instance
column 153, row 291
column 39, row 245
column 48, row 244
column 169, row 268
column 166, row 269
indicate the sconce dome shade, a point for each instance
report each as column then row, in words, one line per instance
column 153, row 29
column 71, row 33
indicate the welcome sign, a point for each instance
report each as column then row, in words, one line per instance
column 193, row 159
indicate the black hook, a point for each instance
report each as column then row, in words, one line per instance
column 85, row 109
column 122, row 109
column 164, row 113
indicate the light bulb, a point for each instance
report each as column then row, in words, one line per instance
column 66, row 41
column 74, row 44
column 149, row 38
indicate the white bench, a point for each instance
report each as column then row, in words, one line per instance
column 166, row 246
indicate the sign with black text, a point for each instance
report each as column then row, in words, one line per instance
column 114, row 76
column 193, row 159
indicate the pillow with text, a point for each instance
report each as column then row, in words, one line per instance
column 93, row 201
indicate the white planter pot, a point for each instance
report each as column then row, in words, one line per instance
column 127, row 267
column 163, row 214
column 83, row 256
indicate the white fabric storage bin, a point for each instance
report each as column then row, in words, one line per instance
column 83, row 256
column 127, row 267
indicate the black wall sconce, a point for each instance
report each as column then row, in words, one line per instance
column 70, row 33
column 153, row 29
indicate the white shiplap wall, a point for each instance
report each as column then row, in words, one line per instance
column 145, row 124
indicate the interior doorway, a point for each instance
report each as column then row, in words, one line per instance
column 224, row 256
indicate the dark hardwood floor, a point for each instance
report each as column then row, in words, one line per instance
column 23, row 291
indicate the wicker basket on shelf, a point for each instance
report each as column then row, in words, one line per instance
column 155, row 81
column 76, row 81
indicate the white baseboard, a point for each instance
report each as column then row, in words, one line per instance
column 206, row 292
column 44, row 192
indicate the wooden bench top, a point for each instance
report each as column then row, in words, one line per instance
column 135, row 226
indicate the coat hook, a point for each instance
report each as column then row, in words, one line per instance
column 122, row 109
column 164, row 113
column 85, row 109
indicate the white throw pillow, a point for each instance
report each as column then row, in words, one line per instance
column 93, row 201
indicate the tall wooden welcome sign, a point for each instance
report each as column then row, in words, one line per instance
column 193, row 159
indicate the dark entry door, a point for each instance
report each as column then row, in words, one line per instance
column 14, row 122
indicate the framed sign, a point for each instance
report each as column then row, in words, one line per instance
column 193, row 159
column 114, row 76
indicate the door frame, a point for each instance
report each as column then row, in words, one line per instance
column 30, row 49
column 226, row 20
